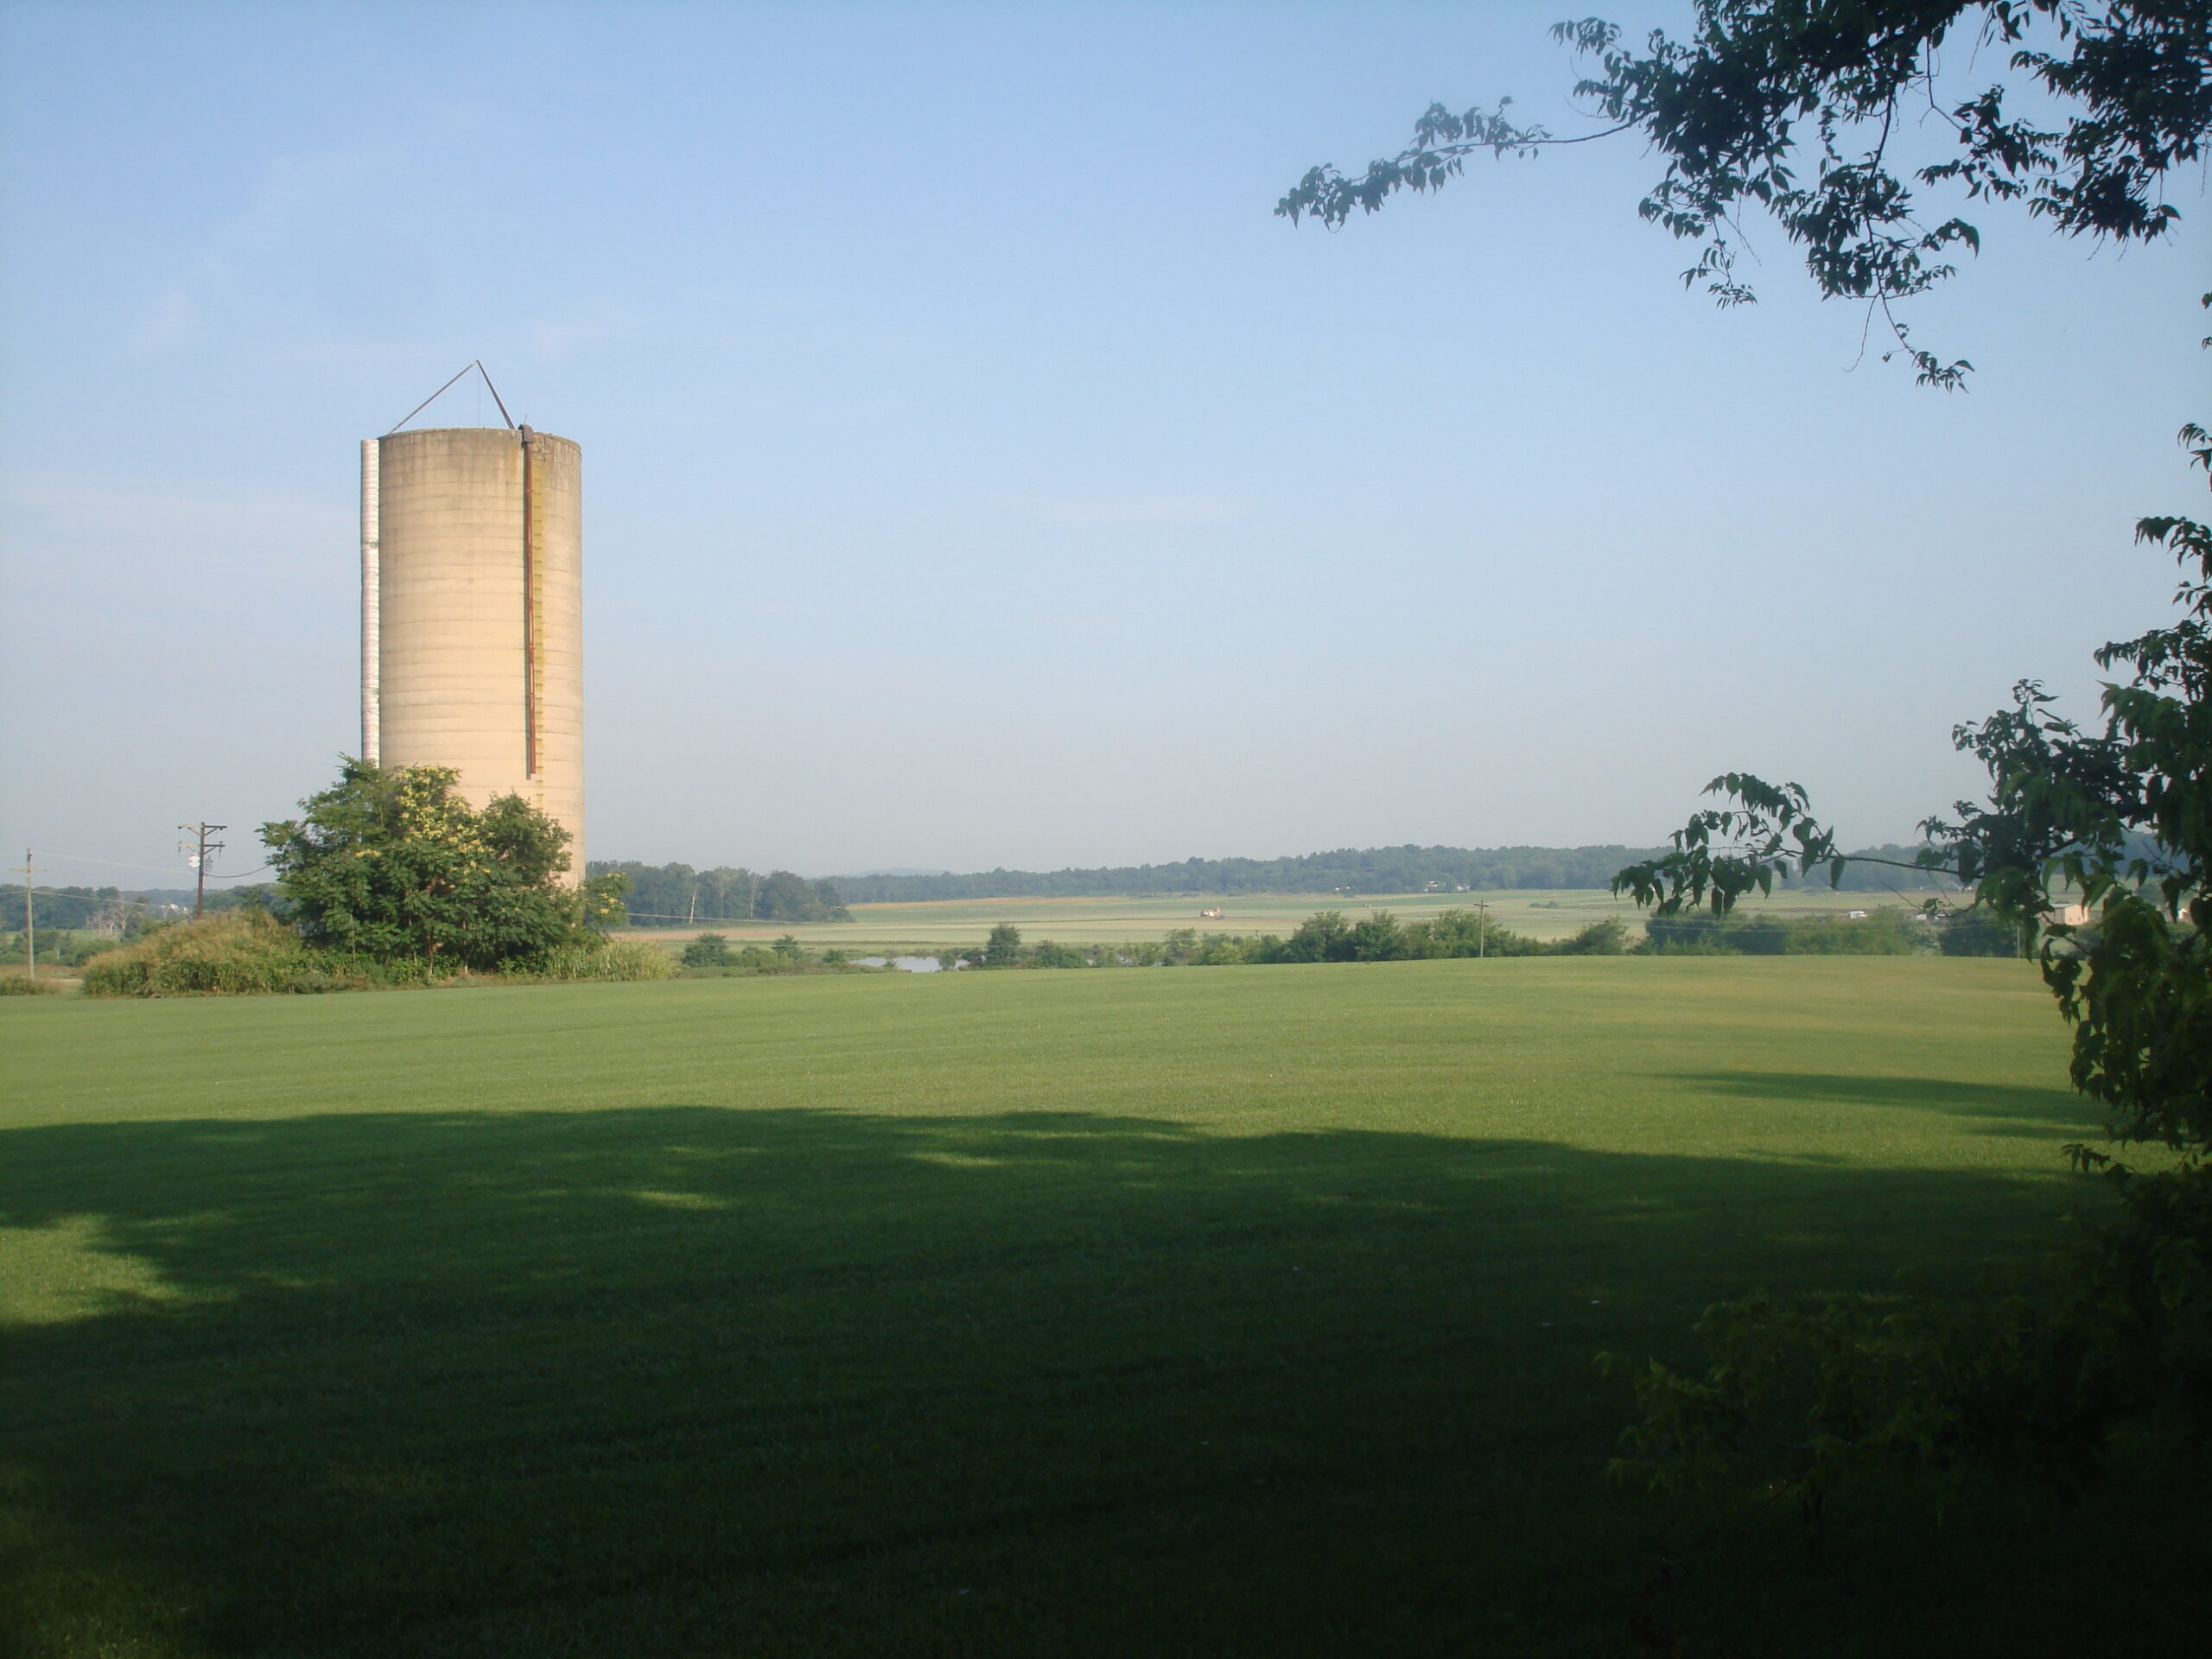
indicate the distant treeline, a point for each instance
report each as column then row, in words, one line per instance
column 1879, row 878
column 1326, row 935
column 1349, row 870
column 123, row 910
column 1374, row 870
column 60, row 907
column 1886, row 932
column 1329, row 936
column 676, row 895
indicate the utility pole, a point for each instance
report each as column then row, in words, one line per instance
column 200, row 851
column 30, row 919
column 1482, row 929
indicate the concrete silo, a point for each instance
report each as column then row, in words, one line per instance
column 472, row 613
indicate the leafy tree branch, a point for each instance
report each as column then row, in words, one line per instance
column 1790, row 108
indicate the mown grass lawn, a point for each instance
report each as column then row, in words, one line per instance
column 1205, row 1311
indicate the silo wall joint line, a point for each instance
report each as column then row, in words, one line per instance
column 531, row 653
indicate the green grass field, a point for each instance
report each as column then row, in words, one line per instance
column 1539, row 914
column 1248, row 1311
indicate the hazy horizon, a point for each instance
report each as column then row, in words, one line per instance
column 978, row 475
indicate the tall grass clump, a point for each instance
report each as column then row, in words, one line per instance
column 598, row 958
column 233, row 954
column 24, row 985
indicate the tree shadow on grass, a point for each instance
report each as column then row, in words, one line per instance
column 2005, row 1110
column 694, row 1380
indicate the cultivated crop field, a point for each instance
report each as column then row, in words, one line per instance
column 1249, row 1311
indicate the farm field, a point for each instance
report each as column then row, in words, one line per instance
column 1248, row 1311
column 1539, row 913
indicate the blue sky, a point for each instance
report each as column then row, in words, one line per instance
column 977, row 472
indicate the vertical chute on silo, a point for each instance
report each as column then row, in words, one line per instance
column 370, row 599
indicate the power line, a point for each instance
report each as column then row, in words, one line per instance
column 122, row 894
column 75, row 892
column 669, row 916
column 118, row 864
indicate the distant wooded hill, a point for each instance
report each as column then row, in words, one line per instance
column 1374, row 869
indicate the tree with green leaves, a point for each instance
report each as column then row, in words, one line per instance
column 707, row 950
column 1802, row 110
column 1325, row 935
column 392, row 862
column 1003, row 947
column 784, row 897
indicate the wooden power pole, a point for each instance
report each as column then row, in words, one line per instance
column 201, row 851
column 30, row 919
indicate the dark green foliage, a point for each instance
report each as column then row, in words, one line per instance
column 784, row 897
column 2040, row 1384
column 2120, row 1338
column 1885, row 933
column 256, row 896
column 1220, row 950
column 1980, row 932
column 1761, row 936
column 1808, row 113
column 710, row 956
column 1326, row 935
column 707, row 950
column 1602, row 938
column 391, row 863
column 676, row 895
column 1461, row 933
column 56, row 907
column 15, row 947
column 1378, row 939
